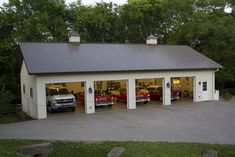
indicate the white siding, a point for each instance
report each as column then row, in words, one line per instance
column 36, row 106
column 29, row 104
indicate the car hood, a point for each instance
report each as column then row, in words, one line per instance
column 63, row 96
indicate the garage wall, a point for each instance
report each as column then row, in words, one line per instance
column 29, row 104
column 206, row 75
column 74, row 86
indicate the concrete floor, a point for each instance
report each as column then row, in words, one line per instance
column 207, row 122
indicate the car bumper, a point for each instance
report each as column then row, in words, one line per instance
column 63, row 106
column 143, row 100
column 104, row 103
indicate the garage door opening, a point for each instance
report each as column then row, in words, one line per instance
column 65, row 97
column 182, row 89
column 148, row 92
column 110, row 95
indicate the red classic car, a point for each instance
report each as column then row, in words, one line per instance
column 101, row 99
column 156, row 93
column 141, row 96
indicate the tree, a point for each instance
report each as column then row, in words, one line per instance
column 98, row 23
column 44, row 20
column 142, row 18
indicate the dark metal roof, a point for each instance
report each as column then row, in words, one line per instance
column 42, row 58
column 151, row 36
column 73, row 33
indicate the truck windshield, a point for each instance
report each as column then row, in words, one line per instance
column 59, row 91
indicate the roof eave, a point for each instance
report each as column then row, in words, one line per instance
column 89, row 72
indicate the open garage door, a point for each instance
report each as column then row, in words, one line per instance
column 65, row 97
column 110, row 95
column 148, row 92
column 182, row 89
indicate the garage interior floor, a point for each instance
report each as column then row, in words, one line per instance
column 117, row 106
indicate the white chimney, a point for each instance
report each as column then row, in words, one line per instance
column 151, row 40
column 74, row 37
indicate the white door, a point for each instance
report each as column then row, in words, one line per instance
column 205, row 93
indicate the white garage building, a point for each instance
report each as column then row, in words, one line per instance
column 45, row 63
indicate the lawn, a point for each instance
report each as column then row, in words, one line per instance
column 8, row 148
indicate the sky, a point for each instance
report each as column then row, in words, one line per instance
column 87, row 2
column 90, row 2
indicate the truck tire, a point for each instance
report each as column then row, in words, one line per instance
column 50, row 110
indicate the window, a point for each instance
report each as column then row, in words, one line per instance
column 204, row 86
column 23, row 88
column 31, row 92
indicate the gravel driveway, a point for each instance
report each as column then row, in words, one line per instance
column 207, row 122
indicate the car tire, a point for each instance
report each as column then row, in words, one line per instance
column 145, row 102
column 73, row 109
column 116, row 99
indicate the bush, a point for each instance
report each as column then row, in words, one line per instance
column 21, row 115
column 233, row 92
column 227, row 96
column 5, row 99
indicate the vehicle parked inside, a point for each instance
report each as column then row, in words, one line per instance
column 59, row 98
column 101, row 98
column 141, row 96
column 156, row 93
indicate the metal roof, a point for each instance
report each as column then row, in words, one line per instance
column 151, row 36
column 73, row 33
column 43, row 58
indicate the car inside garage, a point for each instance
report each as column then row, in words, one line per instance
column 182, row 89
column 110, row 95
column 65, row 97
column 150, row 90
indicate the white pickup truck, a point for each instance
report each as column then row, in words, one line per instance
column 59, row 98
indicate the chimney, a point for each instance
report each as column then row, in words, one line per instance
column 74, row 38
column 151, row 40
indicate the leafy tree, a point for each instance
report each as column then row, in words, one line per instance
column 43, row 20
column 142, row 18
column 98, row 23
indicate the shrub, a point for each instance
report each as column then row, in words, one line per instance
column 227, row 96
column 21, row 115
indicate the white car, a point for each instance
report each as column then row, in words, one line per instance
column 59, row 98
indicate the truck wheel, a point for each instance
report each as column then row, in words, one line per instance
column 50, row 109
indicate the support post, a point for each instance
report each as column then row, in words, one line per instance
column 89, row 97
column 166, row 95
column 131, row 94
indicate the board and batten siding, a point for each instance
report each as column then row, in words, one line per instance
column 29, row 104
column 36, row 106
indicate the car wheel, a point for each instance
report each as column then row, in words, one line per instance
column 73, row 109
column 145, row 102
column 115, row 99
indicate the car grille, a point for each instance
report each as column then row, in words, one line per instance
column 64, row 101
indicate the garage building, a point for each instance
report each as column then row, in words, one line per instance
column 42, row 64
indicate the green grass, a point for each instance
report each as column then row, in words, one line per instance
column 8, row 148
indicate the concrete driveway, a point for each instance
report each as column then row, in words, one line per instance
column 207, row 122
